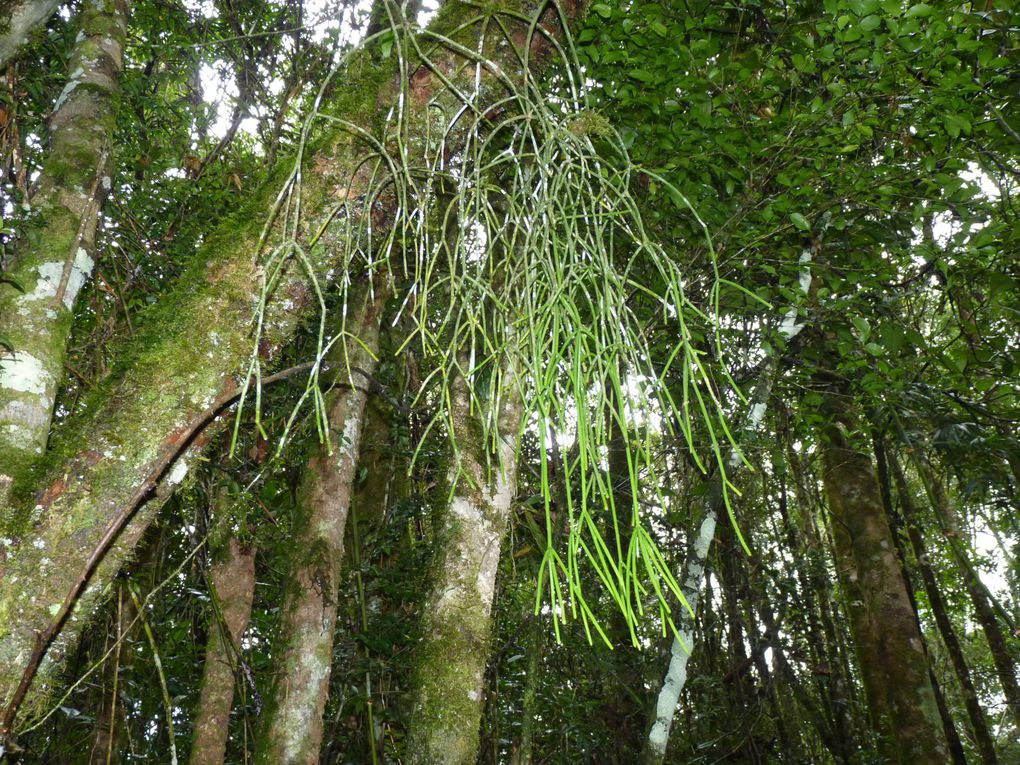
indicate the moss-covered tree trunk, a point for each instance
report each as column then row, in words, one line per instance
column 291, row 733
column 139, row 435
column 232, row 587
column 882, row 620
column 456, row 623
column 18, row 19
column 55, row 255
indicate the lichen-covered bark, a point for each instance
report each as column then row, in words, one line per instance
column 456, row 623
column 191, row 350
column 882, row 620
column 232, row 584
column 55, row 255
column 291, row 733
column 18, row 19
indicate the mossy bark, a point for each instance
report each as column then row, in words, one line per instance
column 886, row 633
column 18, row 19
column 191, row 350
column 291, row 733
column 232, row 587
column 55, row 255
column 456, row 624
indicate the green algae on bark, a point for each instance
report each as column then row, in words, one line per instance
column 55, row 256
column 457, row 622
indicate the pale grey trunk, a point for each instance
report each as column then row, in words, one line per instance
column 53, row 264
column 22, row 18
column 291, row 733
column 454, row 647
column 680, row 651
column 683, row 643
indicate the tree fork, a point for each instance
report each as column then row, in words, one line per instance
column 197, row 344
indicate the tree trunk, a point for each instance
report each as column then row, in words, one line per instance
column 953, row 741
column 136, row 439
column 694, row 571
column 23, row 17
column 291, row 733
column 454, row 647
column 982, row 736
column 232, row 587
column 888, row 638
column 53, row 262
column 984, row 609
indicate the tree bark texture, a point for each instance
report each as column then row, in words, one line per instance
column 888, row 638
column 137, row 438
column 54, row 258
column 292, row 730
column 18, row 19
column 454, row 646
column 232, row 585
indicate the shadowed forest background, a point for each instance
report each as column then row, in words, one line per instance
column 502, row 382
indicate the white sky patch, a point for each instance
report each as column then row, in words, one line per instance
column 326, row 23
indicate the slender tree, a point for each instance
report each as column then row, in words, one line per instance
column 232, row 587
column 292, row 727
